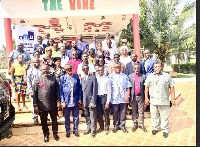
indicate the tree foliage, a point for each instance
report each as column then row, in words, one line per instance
column 162, row 28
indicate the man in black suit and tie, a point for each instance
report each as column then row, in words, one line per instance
column 90, row 90
column 137, row 97
column 129, row 66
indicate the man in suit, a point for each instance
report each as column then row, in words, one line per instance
column 39, row 39
column 90, row 90
column 148, row 66
column 148, row 62
column 137, row 97
column 46, row 99
column 129, row 66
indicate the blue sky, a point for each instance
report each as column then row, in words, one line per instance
column 2, row 34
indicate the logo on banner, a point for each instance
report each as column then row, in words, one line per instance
column 29, row 36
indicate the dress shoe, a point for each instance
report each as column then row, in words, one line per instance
column 86, row 132
column 100, row 130
column 134, row 128
column 93, row 135
column 107, row 131
column 143, row 128
column 56, row 137
column 114, row 130
column 154, row 132
column 76, row 134
column 165, row 135
column 124, row 130
column 46, row 138
column 68, row 134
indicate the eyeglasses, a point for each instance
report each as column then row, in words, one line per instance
column 74, row 54
column 117, row 67
column 116, row 57
column 68, row 69
column 123, row 42
column 49, row 50
column 100, row 70
column 85, row 69
column 107, row 53
column 137, row 68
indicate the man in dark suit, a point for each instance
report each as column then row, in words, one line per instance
column 137, row 97
column 39, row 39
column 148, row 62
column 129, row 66
column 90, row 90
column 46, row 99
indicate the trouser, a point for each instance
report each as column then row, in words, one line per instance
column 160, row 115
column 53, row 114
column 101, row 101
column 91, row 118
column 32, row 109
column 138, row 108
column 119, row 115
column 75, row 115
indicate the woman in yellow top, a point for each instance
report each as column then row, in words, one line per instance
column 17, row 79
column 49, row 45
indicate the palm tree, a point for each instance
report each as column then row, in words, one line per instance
column 162, row 28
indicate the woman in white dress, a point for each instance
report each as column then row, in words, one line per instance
column 124, row 58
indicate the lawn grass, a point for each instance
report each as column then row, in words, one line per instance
column 183, row 76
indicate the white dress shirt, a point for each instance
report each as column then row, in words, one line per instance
column 104, row 44
column 125, row 60
column 91, row 69
column 64, row 61
column 104, row 87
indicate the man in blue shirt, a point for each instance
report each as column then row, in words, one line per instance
column 120, row 92
column 70, row 94
column 82, row 45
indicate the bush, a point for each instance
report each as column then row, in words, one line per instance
column 184, row 68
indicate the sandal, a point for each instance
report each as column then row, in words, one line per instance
column 25, row 107
column 19, row 109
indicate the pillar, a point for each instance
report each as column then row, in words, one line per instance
column 8, row 35
column 136, row 35
column 73, row 38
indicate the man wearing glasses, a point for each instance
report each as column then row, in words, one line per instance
column 120, row 87
column 70, row 94
column 74, row 61
column 137, row 97
column 14, row 54
column 90, row 90
column 108, row 60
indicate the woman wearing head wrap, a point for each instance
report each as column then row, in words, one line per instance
column 124, row 58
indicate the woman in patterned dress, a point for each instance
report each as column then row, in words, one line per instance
column 17, row 79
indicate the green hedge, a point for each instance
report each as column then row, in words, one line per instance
column 184, row 68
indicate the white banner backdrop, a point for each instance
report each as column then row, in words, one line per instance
column 27, row 36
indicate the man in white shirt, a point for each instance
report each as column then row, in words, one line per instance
column 103, row 100
column 94, row 43
column 104, row 43
column 47, row 37
column 85, row 62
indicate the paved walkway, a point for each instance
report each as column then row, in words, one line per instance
column 182, row 129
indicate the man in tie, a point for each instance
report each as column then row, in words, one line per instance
column 90, row 89
column 70, row 94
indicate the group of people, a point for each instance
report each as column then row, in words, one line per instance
column 95, row 77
